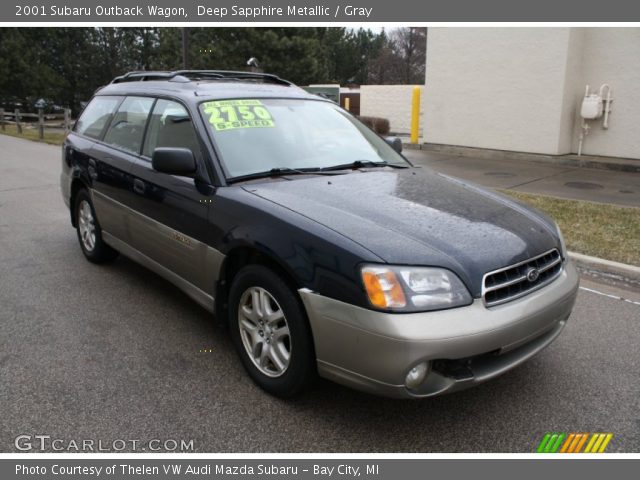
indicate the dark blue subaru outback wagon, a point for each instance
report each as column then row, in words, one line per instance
column 320, row 245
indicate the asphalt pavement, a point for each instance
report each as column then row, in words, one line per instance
column 115, row 352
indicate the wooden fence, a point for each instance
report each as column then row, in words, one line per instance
column 40, row 118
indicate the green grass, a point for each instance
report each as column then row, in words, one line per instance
column 52, row 138
column 598, row 229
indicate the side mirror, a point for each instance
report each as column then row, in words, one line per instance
column 174, row 161
column 395, row 143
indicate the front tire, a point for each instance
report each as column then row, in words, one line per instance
column 89, row 232
column 270, row 331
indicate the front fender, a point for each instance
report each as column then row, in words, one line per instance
column 314, row 256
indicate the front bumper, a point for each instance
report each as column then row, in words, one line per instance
column 373, row 351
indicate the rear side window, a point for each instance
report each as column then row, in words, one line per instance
column 127, row 127
column 96, row 116
column 170, row 126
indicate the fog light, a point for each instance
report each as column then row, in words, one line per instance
column 416, row 375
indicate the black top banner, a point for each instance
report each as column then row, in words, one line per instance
column 317, row 11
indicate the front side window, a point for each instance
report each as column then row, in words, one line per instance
column 127, row 127
column 258, row 135
column 96, row 116
column 170, row 126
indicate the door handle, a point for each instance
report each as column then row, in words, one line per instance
column 92, row 168
column 139, row 187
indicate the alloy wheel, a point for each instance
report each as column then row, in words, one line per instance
column 86, row 226
column 264, row 331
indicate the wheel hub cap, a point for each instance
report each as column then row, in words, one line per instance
column 264, row 331
column 86, row 226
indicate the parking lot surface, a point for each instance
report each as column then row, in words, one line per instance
column 115, row 352
column 576, row 183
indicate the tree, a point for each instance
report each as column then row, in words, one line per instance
column 26, row 76
column 66, row 65
column 401, row 59
column 348, row 53
column 410, row 46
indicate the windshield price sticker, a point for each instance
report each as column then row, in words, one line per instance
column 233, row 114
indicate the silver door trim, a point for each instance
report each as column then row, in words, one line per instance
column 206, row 271
column 210, row 259
column 202, row 298
column 110, row 214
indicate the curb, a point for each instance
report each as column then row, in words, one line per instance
column 568, row 160
column 411, row 146
column 630, row 272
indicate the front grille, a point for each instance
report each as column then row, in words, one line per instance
column 517, row 280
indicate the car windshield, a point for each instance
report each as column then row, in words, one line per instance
column 276, row 135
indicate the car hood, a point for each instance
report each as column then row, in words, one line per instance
column 415, row 216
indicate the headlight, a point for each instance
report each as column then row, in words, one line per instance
column 413, row 289
column 563, row 246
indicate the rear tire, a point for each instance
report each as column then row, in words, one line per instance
column 270, row 331
column 89, row 232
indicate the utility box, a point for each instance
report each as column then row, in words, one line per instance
column 591, row 107
column 331, row 91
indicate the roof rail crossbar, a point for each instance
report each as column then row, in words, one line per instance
column 199, row 74
column 141, row 76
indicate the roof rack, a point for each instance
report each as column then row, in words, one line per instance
column 189, row 75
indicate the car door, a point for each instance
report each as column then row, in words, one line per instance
column 171, row 226
column 111, row 162
column 104, row 174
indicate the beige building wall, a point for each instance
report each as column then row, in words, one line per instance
column 520, row 89
column 392, row 102
column 611, row 55
column 569, row 114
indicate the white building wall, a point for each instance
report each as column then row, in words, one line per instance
column 569, row 114
column 497, row 88
column 520, row 88
column 392, row 102
column 611, row 55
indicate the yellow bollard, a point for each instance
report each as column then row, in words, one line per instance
column 415, row 115
column 347, row 103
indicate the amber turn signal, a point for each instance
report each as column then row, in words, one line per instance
column 383, row 288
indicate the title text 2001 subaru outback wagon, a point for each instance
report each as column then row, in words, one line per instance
column 324, row 248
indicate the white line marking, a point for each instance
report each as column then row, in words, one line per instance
column 610, row 296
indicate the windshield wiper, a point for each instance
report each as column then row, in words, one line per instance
column 282, row 171
column 278, row 172
column 363, row 164
column 288, row 170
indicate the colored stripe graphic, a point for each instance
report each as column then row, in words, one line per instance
column 583, row 439
column 557, row 442
column 543, row 443
column 568, row 442
column 599, row 440
column 592, row 440
column 606, row 441
column 550, row 443
column 556, row 446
